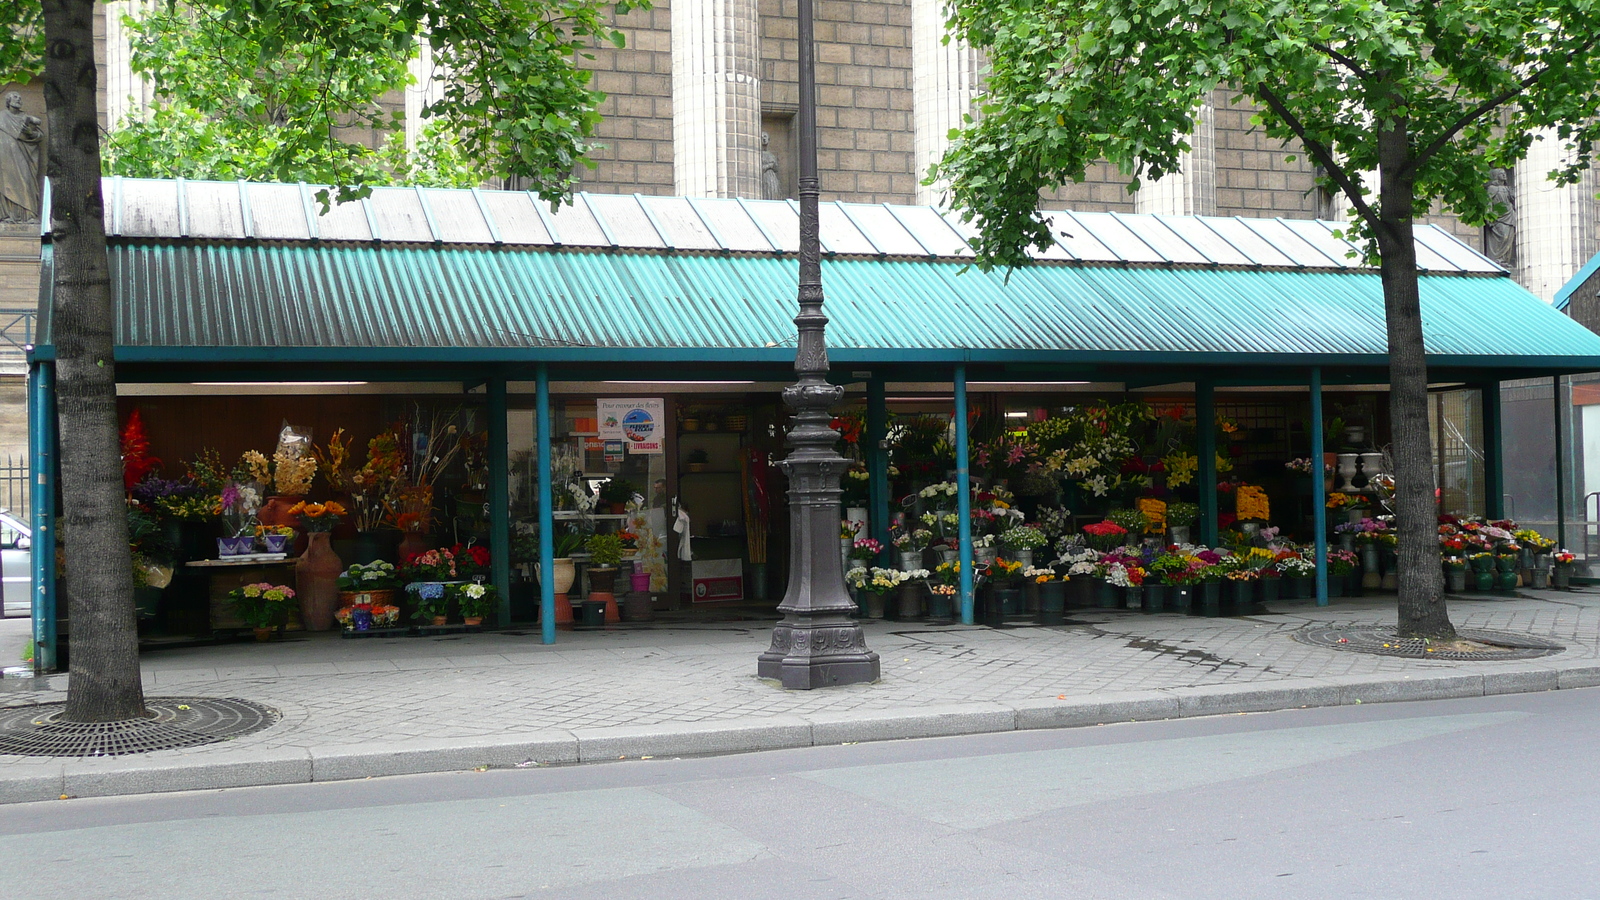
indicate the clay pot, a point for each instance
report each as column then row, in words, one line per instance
column 413, row 543
column 603, row 579
column 438, row 620
column 317, row 583
column 472, row 620
column 262, row 634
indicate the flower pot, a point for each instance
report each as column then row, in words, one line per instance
column 563, row 573
column 948, row 554
column 1347, row 541
column 472, row 620
column 983, row 556
column 1563, row 576
column 1133, row 595
column 226, row 547
column 317, row 583
column 413, row 543
column 637, row 607
column 1455, row 579
column 276, row 543
column 639, row 582
column 1241, row 597
column 438, row 620
column 855, row 564
column 1155, row 597
column 1270, row 588
column 910, row 601
column 993, row 607
column 361, row 619
column 1336, row 585
column 1352, row 586
column 593, row 612
column 1303, row 588
column 1506, row 563
column 1052, row 603
column 1541, row 578
column 1505, row 582
column 941, row 606
column 872, row 604
column 910, row 560
column 858, row 514
column 1210, row 599
column 1180, row 597
column 602, row 579
column 1105, row 595
column 262, row 634
column 1482, row 580
column 1178, row 534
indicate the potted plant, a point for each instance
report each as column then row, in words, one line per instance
column 1005, row 588
column 911, row 593
column 317, row 572
column 1052, row 594
column 1133, row 522
column 1181, row 517
column 1021, row 541
column 475, row 600
column 864, row 551
column 263, row 606
column 1104, row 536
column 369, row 584
column 698, row 460
column 617, row 492
column 942, row 595
column 873, row 585
column 1301, row 573
column 1565, row 562
column 433, row 601
column 911, row 543
column 605, row 554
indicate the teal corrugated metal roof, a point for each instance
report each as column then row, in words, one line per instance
column 1564, row 296
column 234, row 300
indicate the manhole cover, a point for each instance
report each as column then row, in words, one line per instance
column 1382, row 641
column 173, row 722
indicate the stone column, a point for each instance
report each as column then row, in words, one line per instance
column 716, row 98
column 128, row 93
column 1555, row 225
column 944, row 83
column 426, row 88
column 1192, row 190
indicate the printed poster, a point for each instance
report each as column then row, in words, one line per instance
column 635, row 421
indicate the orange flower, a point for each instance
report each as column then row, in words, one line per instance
column 313, row 510
column 333, row 508
column 298, row 508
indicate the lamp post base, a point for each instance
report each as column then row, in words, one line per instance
column 806, row 657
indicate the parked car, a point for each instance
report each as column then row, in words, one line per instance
column 16, row 569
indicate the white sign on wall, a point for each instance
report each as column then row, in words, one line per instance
column 636, row 421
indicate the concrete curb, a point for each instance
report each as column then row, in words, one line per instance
column 209, row 769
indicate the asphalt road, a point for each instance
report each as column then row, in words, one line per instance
column 1490, row 798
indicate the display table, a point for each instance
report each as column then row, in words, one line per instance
column 225, row 575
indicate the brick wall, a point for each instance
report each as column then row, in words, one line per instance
column 637, row 128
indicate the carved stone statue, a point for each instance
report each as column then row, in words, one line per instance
column 771, row 186
column 20, row 136
column 1500, row 236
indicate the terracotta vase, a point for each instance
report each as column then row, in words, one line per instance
column 262, row 634
column 276, row 512
column 472, row 620
column 317, row 583
column 413, row 543
column 439, row 620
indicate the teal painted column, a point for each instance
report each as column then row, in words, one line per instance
column 878, row 464
column 963, row 496
column 547, row 520
column 1561, row 469
column 1205, row 423
column 1319, row 490
column 42, row 494
column 499, row 498
column 1494, row 479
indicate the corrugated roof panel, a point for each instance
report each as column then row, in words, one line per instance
column 626, row 220
column 1109, row 231
column 211, row 294
column 883, row 229
column 683, row 226
column 214, row 209
column 1154, row 232
column 148, row 208
column 1209, row 243
column 1429, row 261
column 575, row 226
column 342, row 221
column 277, row 212
column 1076, row 240
column 1460, row 254
column 733, row 226
column 515, row 217
column 931, row 230
column 1318, row 236
column 458, row 216
column 401, row 216
column 1246, row 241
column 777, row 221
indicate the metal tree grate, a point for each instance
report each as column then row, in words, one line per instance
column 1382, row 641
column 172, row 723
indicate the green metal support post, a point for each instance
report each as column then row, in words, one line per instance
column 547, row 519
column 878, row 462
column 1319, row 491
column 42, row 494
column 1494, row 480
column 499, row 498
column 1561, row 471
column 963, row 496
column 1205, row 424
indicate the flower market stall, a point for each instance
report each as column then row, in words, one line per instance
column 1154, row 383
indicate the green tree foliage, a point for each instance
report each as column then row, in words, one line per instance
column 1430, row 94
column 21, row 42
column 286, row 91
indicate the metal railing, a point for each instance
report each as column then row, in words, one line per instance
column 14, row 485
column 16, row 333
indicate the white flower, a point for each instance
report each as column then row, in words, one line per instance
column 1082, row 568
column 1097, row 484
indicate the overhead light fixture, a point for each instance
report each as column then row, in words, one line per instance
column 1018, row 414
column 949, row 398
column 275, row 383
column 1016, row 383
column 670, row 381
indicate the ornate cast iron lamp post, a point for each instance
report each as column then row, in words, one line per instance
column 817, row 643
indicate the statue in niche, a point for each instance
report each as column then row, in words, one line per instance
column 20, row 136
column 1500, row 236
column 771, row 186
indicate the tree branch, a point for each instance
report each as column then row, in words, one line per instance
column 1323, row 156
column 1483, row 109
column 1340, row 58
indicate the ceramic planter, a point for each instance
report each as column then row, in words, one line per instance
column 317, row 583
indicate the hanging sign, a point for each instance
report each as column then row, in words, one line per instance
column 635, row 421
column 613, row 452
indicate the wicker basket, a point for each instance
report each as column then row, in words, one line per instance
column 351, row 598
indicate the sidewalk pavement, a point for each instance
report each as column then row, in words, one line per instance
column 362, row 708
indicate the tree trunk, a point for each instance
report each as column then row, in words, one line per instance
column 104, row 686
column 1422, row 610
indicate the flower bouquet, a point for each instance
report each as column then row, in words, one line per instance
column 1104, row 536
column 1023, row 537
column 318, row 517
column 913, row 541
column 866, row 549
